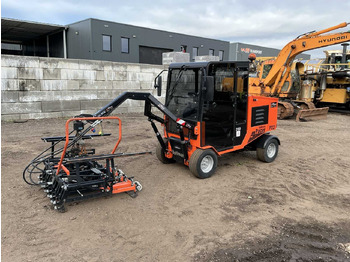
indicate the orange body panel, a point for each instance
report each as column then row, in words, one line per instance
column 124, row 186
column 252, row 132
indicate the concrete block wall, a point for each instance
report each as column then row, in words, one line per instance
column 33, row 87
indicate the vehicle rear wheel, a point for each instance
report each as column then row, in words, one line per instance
column 203, row 163
column 269, row 153
column 161, row 154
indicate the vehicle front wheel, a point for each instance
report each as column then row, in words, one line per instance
column 269, row 153
column 161, row 154
column 203, row 163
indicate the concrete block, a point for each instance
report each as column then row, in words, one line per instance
column 41, row 115
column 28, row 61
column 108, row 75
column 30, row 73
column 107, row 65
column 9, row 72
column 132, row 103
column 88, row 85
column 72, row 74
column 58, row 106
column 90, row 74
column 9, row 96
column 68, row 63
column 78, row 95
column 94, row 104
column 11, row 117
column 71, row 114
column 19, row 108
column 120, row 76
column 126, row 85
column 19, row 61
column 206, row 58
column 56, row 95
column 105, row 94
column 54, row 85
column 155, row 69
column 9, row 61
column 57, row 85
column 100, row 76
column 29, row 85
column 9, row 84
column 144, row 77
column 148, row 86
column 136, row 109
column 45, row 62
column 52, row 73
column 119, row 67
column 175, row 57
column 133, row 68
column 90, row 65
column 72, row 84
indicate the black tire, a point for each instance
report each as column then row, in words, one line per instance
column 161, row 154
column 269, row 153
column 203, row 169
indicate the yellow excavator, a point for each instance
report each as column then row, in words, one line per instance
column 326, row 81
column 275, row 78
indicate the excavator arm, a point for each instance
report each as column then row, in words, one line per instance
column 313, row 40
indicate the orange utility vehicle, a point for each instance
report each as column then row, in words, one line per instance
column 207, row 113
column 274, row 78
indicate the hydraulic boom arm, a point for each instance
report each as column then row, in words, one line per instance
column 313, row 40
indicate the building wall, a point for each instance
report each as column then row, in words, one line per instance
column 241, row 51
column 33, row 87
column 78, row 44
column 79, row 40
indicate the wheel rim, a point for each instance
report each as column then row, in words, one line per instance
column 271, row 150
column 207, row 164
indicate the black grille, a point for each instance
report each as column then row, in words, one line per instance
column 260, row 115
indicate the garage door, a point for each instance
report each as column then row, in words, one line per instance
column 152, row 55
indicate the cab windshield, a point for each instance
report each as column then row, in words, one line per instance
column 182, row 96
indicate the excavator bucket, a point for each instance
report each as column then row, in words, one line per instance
column 312, row 114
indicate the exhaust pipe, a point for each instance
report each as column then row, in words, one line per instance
column 343, row 59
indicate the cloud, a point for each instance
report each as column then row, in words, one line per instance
column 268, row 23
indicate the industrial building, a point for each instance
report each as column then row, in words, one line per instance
column 241, row 51
column 96, row 39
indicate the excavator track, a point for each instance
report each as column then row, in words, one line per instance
column 285, row 110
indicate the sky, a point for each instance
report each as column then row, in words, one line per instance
column 269, row 23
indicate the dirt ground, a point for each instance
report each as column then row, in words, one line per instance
column 294, row 209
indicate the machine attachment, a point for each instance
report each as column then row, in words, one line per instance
column 312, row 114
column 79, row 173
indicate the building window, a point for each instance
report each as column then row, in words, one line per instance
column 194, row 52
column 125, row 45
column 183, row 48
column 107, row 43
column 221, row 55
column 211, row 52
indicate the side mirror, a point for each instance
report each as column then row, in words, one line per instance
column 158, row 85
column 209, row 88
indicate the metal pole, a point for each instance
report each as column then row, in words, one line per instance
column 64, row 44
column 48, row 46
column 34, row 47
